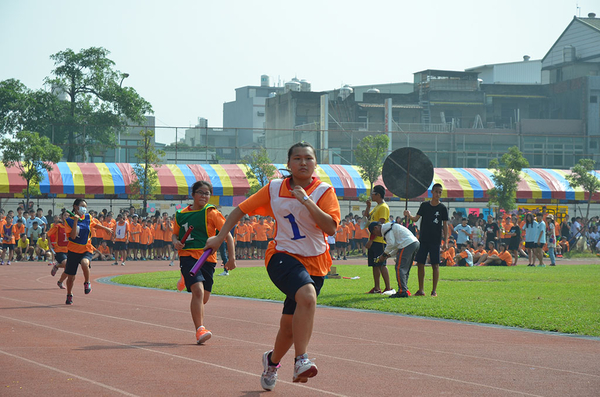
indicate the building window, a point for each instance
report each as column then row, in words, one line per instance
column 593, row 99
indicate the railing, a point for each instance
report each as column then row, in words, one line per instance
column 446, row 146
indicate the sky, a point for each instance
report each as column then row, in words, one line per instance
column 187, row 57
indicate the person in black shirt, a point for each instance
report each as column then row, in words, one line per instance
column 492, row 232
column 514, row 239
column 434, row 231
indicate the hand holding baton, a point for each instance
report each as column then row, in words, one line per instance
column 200, row 262
column 73, row 215
column 187, row 233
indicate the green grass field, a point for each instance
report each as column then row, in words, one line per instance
column 562, row 299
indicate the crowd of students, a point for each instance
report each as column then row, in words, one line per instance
column 38, row 236
column 502, row 240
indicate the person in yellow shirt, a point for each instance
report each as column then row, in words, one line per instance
column 376, row 245
column 42, row 249
column 23, row 248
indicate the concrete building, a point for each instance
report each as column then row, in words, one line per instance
column 246, row 114
column 127, row 145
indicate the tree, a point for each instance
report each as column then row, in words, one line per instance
column 370, row 154
column 260, row 170
column 146, row 178
column 581, row 176
column 506, row 177
column 83, row 106
column 32, row 154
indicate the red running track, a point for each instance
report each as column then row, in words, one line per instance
column 140, row 342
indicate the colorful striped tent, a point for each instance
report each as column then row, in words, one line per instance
column 112, row 181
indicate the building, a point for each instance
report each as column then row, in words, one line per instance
column 245, row 116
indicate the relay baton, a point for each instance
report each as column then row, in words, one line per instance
column 200, row 262
column 187, row 233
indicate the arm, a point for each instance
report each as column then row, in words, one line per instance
column 232, row 219
column 324, row 220
column 230, row 265
column 413, row 218
column 444, row 234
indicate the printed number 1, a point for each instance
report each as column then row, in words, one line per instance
column 295, row 230
column 186, row 227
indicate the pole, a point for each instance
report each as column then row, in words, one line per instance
column 176, row 139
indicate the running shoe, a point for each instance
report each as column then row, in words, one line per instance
column 224, row 273
column 87, row 288
column 115, row 264
column 1, row 263
column 202, row 335
column 269, row 375
column 69, row 300
column 181, row 284
column 171, row 264
column 54, row 270
column 403, row 294
column 304, row 369
column 122, row 263
column 8, row 263
column 60, row 285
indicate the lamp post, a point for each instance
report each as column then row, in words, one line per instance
column 123, row 77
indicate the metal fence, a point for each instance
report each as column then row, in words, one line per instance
column 445, row 145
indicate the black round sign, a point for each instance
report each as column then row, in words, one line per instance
column 407, row 172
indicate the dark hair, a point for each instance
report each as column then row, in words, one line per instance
column 301, row 145
column 197, row 185
column 78, row 201
column 372, row 226
column 503, row 245
column 527, row 223
column 380, row 190
column 437, row 185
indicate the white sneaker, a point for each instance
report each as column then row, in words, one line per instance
column 304, row 369
column 123, row 264
column 269, row 375
column 171, row 264
column 224, row 273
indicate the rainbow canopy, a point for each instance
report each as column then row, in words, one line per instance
column 113, row 181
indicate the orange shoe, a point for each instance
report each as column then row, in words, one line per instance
column 202, row 335
column 181, row 284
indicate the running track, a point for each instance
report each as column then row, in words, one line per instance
column 140, row 342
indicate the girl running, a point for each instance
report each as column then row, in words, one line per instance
column 80, row 247
column 305, row 210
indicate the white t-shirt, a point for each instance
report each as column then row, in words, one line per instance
column 460, row 230
column 397, row 238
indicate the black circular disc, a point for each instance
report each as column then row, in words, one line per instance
column 407, row 172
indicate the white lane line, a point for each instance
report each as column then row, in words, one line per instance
column 114, row 389
column 163, row 353
column 350, row 338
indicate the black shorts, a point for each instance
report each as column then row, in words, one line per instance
column 514, row 246
column 95, row 241
column 289, row 275
column 363, row 241
column 144, row 247
column 374, row 252
column 109, row 243
column 60, row 257
column 73, row 261
column 539, row 245
column 462, row 262
column 120, row 246
column 158, row 243
column 529, row 244
column 8, row 246
column 133, row 245
column 261, row 245
column 332, row 247
column 204, row 275
column 341, row 244
column 431, row 249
